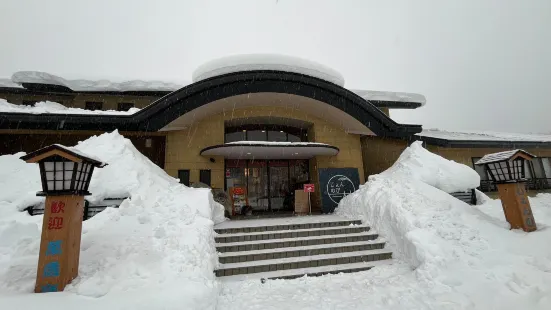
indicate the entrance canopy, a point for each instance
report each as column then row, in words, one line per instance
column 270, row 150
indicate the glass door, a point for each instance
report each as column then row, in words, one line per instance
column 257, row 175
column 279, row 185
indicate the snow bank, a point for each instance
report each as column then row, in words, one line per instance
column 238, row 63
column 156, row 250
column 45, row 107
column 463, row 256
column 92, row 85
column 419, row 164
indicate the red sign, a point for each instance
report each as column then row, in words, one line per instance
column 239, row 191
column 309, row 188
column 228, row 173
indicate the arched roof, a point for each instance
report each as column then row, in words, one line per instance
column 170, row 107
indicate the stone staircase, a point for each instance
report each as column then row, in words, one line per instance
column 313, row 246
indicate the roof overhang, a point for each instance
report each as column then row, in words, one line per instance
column 480, row 143
column 270, row 150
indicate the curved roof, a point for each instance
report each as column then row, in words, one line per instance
column 170, row 107
column 255, row 62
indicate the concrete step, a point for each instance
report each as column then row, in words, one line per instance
column 296, row 233
column 311, row 272
column 294, row 242
column 301, row 262
column 291, row 226
column 310, row 250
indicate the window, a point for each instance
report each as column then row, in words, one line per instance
column 277, row 136
column 235, row 136
column 183, row 175
column 266, row 132
column 124, row 106
column 93, row 105
column 256, row 135
column 204, row 177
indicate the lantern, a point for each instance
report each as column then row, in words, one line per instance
column 507, row 170
column 65, row 175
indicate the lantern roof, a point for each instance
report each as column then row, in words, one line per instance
column 504, row 156
column 66, row 152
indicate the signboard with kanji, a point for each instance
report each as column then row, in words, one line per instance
column 309, row 188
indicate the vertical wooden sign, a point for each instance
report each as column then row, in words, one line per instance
column 60, row 243
column 516, row 206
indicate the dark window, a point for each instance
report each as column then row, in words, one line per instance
column 277, row 136
column 204, row 177
column 235, row 136
column 29, row 102
column 124, row 106
column 183, row 175
column 92, row 105
column 256, row 135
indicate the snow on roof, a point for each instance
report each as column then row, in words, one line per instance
column 500, row 156
column 45, row 107
column 253, row 62
column 80, row 153
column 483, row 136
column 390, row 96
column 91, row 85
column 9, row 83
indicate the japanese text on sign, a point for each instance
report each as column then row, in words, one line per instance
column 55, row 223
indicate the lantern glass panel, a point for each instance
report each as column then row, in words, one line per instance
column 58, row 166
column 58, row 185
column 48, row 166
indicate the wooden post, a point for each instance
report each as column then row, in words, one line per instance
column 60, row 243
column 516, row 206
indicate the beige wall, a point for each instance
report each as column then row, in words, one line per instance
column 183, row 146
column 380, row 153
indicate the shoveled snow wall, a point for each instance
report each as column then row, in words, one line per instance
column 157, row 248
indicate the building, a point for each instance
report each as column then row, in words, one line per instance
column 264, row 123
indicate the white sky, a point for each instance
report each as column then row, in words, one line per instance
column 483, row 65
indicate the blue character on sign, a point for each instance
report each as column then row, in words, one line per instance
column 49, row 288
column 51, row 270
column 54, row 248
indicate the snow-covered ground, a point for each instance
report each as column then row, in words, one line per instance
column 155, row 252
column 448, row 255
column 44, row 107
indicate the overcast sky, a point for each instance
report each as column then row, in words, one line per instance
column 483, row 65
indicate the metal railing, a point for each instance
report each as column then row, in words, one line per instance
column 531, row 184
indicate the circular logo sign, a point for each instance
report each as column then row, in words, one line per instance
column 338, row 187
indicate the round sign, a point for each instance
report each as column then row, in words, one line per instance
column 338, row 187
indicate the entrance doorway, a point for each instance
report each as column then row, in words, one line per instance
column 270, row 184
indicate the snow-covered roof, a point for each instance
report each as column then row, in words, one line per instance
column 500, row 156
column 37, row 77
column 49, row 107
column 251, row 62
column 483, row 136
column 9, row 83
column 375, row 95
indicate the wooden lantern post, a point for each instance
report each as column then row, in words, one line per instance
column 65, row 175
column 507, row 170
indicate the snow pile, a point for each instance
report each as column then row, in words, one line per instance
column 90, row 85
column 45, row 107
column 156, row 250
column 416, row 163
column 463, row 256
column 238, row 63
column 484, row 136
column 373, row 95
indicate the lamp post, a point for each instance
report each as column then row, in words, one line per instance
column 65, row 175
column 507, row 170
